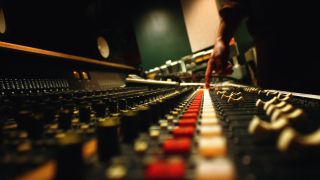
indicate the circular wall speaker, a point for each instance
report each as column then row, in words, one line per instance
column 2, row 22
column 103, row 47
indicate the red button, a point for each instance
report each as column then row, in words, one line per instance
column 196, row 102
column 189, row 115
column 192, row 110
column 194, row 107
column 186, row 131
column 166, row 170
column 187, row 122
column 177, row 146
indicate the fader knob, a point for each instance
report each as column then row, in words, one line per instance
column 49, row 113
column 108, row 141
column 113, row 106
column 155, row 109
column 84, row 114
column 23, row 119
column 129, row 125
column 144, row 117
column 65, row 119
column 36, row 127
column 69, row 157
column 122, row 104
column 100, row 108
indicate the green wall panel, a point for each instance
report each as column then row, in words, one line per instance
column 160, row 31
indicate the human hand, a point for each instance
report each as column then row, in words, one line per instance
column 218, row 61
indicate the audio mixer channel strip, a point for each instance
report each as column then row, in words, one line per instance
column 222, row 133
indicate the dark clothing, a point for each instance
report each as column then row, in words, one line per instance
column 285, row 34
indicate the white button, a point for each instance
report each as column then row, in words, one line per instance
column 215, row 130
column 221, row 169
column 212, row 146
column 209, row 121
column 208, row 115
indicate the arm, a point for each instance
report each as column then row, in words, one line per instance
column 231, row 19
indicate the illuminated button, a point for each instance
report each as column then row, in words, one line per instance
column 170, row 169
column 163, row 124
column 189, row 115
column 140, row 146
column 213, row 146
column 170, row 118
column 210, row 130
column 174, row 113
column 76, row 74
column 187, row 122
column 177, row 109
column 85, row 75
column 116, row 172
column 183, row 132
column 178, row 146
column 154, row 133
column 209, row 121
column 220, row 168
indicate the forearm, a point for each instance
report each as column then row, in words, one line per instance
column 227, row 28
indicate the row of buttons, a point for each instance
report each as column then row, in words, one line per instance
column 211, row 149
column 180, row 145
column 212, row 145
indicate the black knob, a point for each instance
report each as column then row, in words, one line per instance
column 131, row 101
column 129, row 125
column 100, row 109
column 155, row 109
column 65, row 119
column 145, row 116
column 108, row 141
column 84, row 113
column 68, row 104
column 36, row 126
column 23, row 119
column 122, row 104
column 49, row 113
column 113, row 106
column 70, row 163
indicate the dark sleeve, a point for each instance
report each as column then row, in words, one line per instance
column 231, row 8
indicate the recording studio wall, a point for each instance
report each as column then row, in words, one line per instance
column 72, row 26
column 160, row 31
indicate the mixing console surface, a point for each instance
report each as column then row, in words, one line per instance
column 226, row 132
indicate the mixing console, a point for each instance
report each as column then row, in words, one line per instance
column 224, row 133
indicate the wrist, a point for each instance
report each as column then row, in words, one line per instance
column 221, row 39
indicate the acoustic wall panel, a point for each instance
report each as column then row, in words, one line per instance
column 202, row 22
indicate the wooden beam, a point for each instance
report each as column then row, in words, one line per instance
column 21, row 48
